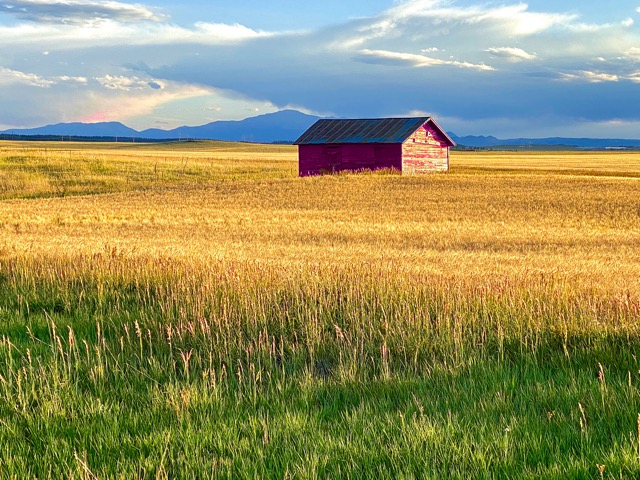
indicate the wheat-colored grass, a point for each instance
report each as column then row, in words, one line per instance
column 244, row 202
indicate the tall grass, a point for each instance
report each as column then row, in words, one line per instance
column 149, row 366
column 459, row 326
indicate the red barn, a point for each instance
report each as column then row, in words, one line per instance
column 409, row 145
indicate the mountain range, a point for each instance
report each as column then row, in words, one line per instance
column 280, row 127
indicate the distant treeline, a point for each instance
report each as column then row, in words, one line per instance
column 77, row 138
column 542, row 148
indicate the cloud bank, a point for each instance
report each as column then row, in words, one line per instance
column 479, row 66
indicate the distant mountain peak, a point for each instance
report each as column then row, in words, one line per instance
column 284, row 125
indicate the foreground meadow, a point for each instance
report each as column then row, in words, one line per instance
column 195, row 310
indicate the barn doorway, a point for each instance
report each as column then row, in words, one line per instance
column 333, row 154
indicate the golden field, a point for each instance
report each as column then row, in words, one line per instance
column 495, row 215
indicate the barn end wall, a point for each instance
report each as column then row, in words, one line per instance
column 425, row 151
column 331, row 158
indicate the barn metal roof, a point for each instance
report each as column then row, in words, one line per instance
column 372, row 130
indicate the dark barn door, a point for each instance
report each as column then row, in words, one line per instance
column 333, row 157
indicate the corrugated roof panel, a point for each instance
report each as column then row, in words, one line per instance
column 376, row 130
column 380, row 129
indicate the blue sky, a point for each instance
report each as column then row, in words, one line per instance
column 503, row 68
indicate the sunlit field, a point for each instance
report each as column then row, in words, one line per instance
column 197, row 310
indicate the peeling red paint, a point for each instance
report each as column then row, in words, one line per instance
column 425, row 151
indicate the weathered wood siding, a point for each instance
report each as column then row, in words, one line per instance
column 425, row 151
column 330, row 158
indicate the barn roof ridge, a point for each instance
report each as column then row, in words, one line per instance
column 365, row 130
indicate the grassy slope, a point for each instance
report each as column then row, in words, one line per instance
column 213, row 315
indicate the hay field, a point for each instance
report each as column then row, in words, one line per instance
column 480, row 323
column 243, row 202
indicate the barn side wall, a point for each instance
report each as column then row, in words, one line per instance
column 425, row 151
column 331, row 158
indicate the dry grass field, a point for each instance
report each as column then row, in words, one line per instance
column 496, row 214
column 482, row 323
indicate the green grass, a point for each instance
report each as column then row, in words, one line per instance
column 121, row 368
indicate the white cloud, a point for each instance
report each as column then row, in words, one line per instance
column 205, row 105
column 221, row 33
column 72, row 80
column 516, row 18
column 412, row 8
column 15, row 77
column 512, row 54
column 111, row 33
column 634, row 77
column 633, row 53
column 8, row 77
column 591, row 77
column 77, row 11
column 596, row 77
column 455, row 26
column 126, row 84
column 418, row 61
column 121, row 104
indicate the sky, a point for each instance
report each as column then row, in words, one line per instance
column 503, row 68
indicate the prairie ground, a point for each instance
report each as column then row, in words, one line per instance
column 196, row 310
